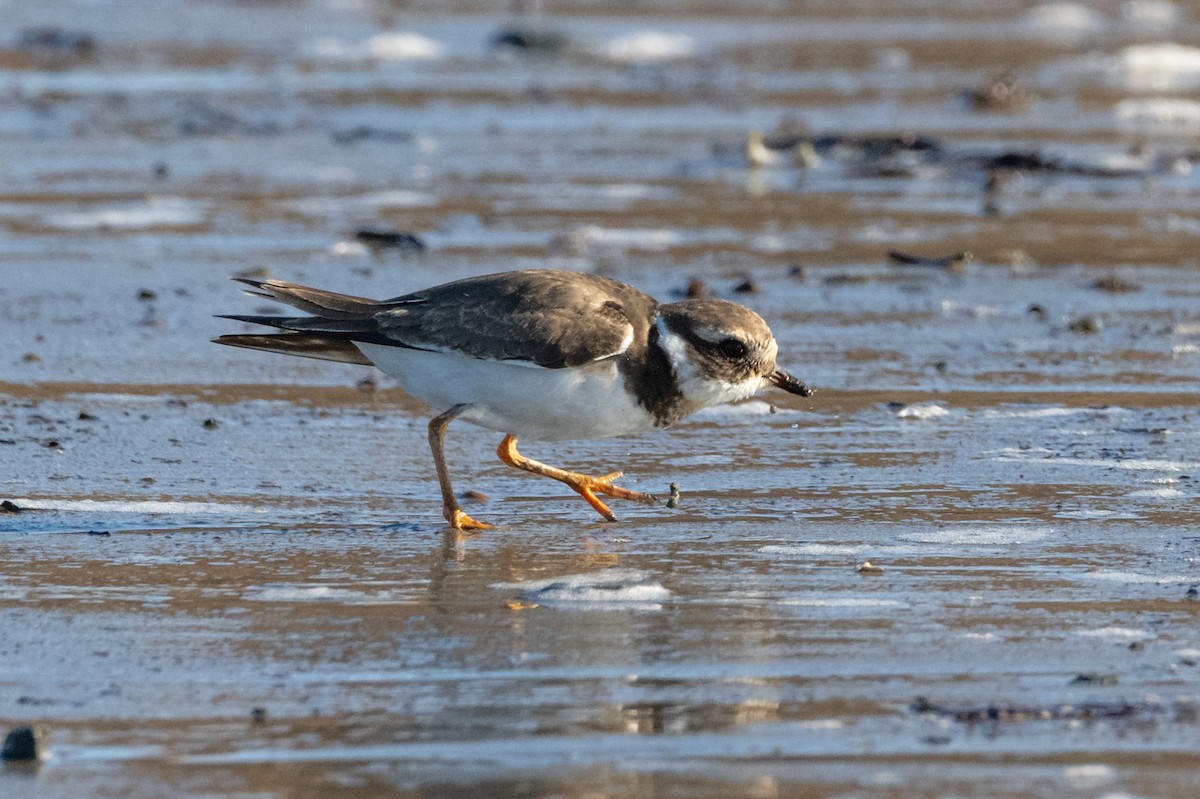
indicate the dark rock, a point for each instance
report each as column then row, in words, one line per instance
column 8, row 506
column 1114, row 285
column 23, row 743
column 1094, row 679
column 531, row 40
column 747, row 286
column 390, row 240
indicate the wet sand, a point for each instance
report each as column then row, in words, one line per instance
column 227, row 572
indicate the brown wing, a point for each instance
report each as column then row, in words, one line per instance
column 549, row 318
column 546, row 317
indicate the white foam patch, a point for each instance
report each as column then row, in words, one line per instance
column 127, row 506
column 989, row 535
column 282, row 592
column 1051, row 412
column 1150, row 14
column 1062, row 20
column 838, row 550
column 1163, row 66
column 402, row 46
column 653, row 239
column 644, row 46
column 1159, row 113
column 1089, row 774
column 160, row 212
column 1116, row 633
column 1138, row 578
column 923, row 411
column 627, row 587
column 301, row 593
column 1157, row 493
column 750, row 410
column 814, row 549
column 1130, row 464
column 1093, row 513
column 821, row 724
column 843, row 602
column 390, row 46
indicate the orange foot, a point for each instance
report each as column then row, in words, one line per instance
column 584, row 485
column 461, row 521
column 587, row 487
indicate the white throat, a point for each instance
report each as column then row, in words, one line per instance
column 699, row 388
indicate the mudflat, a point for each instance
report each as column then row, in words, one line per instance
column 966, row 567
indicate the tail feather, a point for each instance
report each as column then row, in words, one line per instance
column 305, row 345
column 308, row 324
column 318, row 302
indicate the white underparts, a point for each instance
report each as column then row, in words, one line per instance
column 528, row 401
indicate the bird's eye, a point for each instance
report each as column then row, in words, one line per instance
column 732, row 348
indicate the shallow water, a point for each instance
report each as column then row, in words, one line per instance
column 230, row 577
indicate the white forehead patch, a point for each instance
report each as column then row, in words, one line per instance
column 710, row 335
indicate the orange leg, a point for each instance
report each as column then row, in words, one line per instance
column 585, row 485
column 437, row 436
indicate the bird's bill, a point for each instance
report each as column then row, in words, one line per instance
column 781, row 379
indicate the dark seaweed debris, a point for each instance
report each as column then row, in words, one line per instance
column 1025, row 713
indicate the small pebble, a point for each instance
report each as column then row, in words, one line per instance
column 747, row 286
column 1094, row 679
column 1115, row 285
column 258, row 715
column 1086, row 325
column 211, row 424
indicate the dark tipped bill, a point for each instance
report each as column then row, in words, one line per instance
column 781, row 379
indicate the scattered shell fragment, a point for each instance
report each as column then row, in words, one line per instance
column 867, row 567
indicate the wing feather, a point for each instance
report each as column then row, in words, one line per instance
column 547, row 318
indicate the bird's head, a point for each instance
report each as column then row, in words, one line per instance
column 720, row 351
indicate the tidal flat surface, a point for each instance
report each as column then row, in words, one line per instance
column 225, row 573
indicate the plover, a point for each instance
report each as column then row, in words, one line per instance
column 538, row 354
